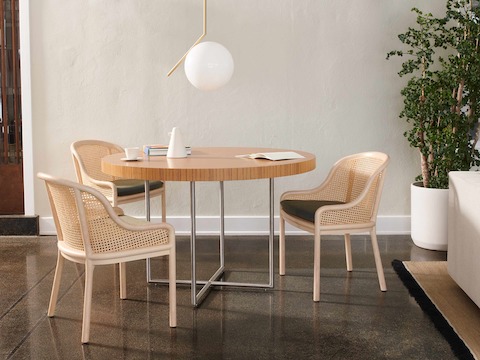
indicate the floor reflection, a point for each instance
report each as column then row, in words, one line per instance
column 354, row 319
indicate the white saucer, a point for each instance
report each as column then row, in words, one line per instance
column 137, row 159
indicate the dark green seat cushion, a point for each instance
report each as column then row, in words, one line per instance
column 131, row 187
column 305, row 209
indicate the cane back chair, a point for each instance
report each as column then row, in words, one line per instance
column 91, row 232
column 346, row 202
column 87, row 155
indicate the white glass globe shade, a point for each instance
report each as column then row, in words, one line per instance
column 209, row 65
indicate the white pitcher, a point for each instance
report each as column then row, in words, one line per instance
column 176, row 147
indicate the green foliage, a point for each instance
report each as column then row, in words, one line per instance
column 442, row 96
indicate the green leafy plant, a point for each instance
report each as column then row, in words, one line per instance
column 442, row 96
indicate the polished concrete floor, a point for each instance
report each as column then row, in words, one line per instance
column 353, row 320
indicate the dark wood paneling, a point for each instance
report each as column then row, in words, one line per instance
column 11, row 189
column 11, row 177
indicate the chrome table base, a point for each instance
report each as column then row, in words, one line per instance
column 197, row 297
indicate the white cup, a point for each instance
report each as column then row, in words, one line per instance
column 132, row 153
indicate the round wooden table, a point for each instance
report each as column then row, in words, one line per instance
column 211, row 164
column 208, row 164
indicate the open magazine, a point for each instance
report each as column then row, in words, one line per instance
column 277, row 155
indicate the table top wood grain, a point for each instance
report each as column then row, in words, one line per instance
column 208, row 164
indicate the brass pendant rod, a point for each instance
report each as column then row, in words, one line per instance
column 196, row 42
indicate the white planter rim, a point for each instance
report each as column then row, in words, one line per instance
column 419, row 184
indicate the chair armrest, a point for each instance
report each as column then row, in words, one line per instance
column 133, row 224
column 344, row 214
column 118, row 211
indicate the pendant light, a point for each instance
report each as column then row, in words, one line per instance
column 208, row 65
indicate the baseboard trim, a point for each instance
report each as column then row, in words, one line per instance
column 248, row 225
column 19, row 225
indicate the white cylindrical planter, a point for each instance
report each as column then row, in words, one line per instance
column 429, row 217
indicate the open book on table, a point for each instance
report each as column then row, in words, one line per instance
column 277, row 155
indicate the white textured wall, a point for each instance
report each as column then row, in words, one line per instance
column 309, row 75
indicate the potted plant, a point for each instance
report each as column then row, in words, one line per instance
column 441, row 103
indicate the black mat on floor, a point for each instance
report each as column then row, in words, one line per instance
column 456, row 343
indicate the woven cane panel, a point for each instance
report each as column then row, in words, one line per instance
column 66, row 210
column 362, row 171
column 107, row 236
column 361, row 213
column 91, row 156
column 107, row 192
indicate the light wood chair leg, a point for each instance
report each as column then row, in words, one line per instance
column 56, row 285
column 348, row 252
column 164, row 204
column 316, row 266
column 87, row 302
column 378, row 261
column 281, row 247
column 172, row 287
column 123, row 280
